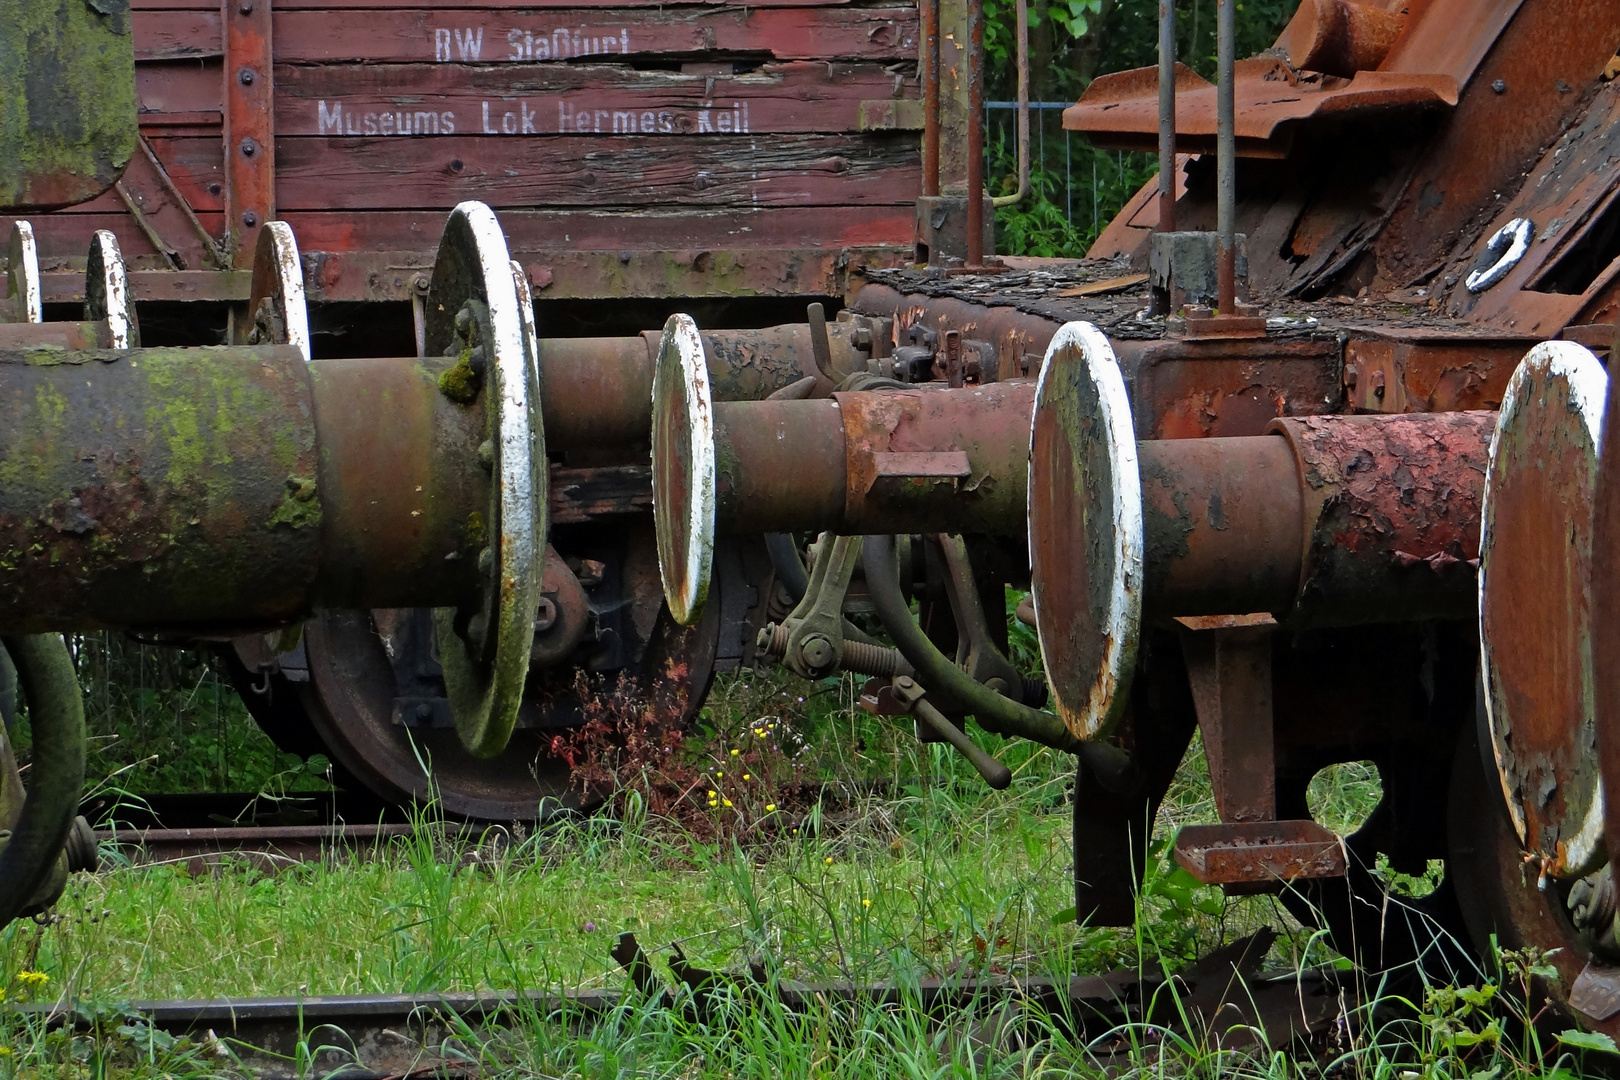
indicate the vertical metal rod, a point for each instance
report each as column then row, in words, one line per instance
column 1167, row 115
column 1226, row 158
column 975, row 134
column 1023, row 99
column 930, row 90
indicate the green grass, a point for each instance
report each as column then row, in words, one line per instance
column 932, row 875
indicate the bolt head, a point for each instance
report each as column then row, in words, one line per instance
column 245, row 76
column 249, row 218
column 817, row 651
column 246, row 7
column 1500, row 86
column 249, row 148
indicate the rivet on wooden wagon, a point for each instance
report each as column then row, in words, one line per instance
column 246, row 8
column 249, row 147
column 249, row 218
column 245, row 76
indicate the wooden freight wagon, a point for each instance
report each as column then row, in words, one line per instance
column 632, row 150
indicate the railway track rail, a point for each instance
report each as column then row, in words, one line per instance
column 1224, row 998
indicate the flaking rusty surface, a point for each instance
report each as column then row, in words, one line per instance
column 1536, row 616
column 1392, row 514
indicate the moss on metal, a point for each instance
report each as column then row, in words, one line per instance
column 67, row 100
column 461, row 381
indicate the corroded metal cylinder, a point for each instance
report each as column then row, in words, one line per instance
column 597, row 392
column 885, row 461
column 403, row 495
column 1222, row 523
column 156, row 487
column 1341, row 520
column 212, row 489
column 1392, row 510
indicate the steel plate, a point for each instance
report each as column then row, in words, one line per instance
column 1085, row 530
column 22, row 277
column 1535, row 612
column 683, row 475
column 485, row 667
column 106, row 292
column 276, row 300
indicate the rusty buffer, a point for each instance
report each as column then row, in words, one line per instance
column 214, row 491
column 1536, row 614
column 873, row 461
column 1326, row 521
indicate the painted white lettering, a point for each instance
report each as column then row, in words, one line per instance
column 387, row 123
column 487, row 129
column 425, row 123
column 526, row 115
column 559, row 43
column 666, row 123
column 648, row 122
column 541, row 49
column 350, row 128
column 441, row 44
column 624, row 123
column 565, row 115
column 470, row 44
column 509, row 123
column 705, row 121
column 329, row 121
column 601, row 114
column 514, row 45
column 447, row 122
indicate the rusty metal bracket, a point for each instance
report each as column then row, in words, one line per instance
column 815, row 630
column 913, row 697
column 976, row 652
column 1229, row 666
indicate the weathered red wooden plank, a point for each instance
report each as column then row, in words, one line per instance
column 494, row 34
column 64, row 239
column 490, row 5
column 173, row 35
column 591, row 170
column 550, row 99
column 195, row 164
column 180, row 86
column 613, row 230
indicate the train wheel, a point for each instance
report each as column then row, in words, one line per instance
column 1500, row 894
column 373, row 698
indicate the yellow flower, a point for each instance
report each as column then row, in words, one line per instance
column 726, row 801
column 747, row 777
column 735, row 752
column 33, row 978
column 829, row 860
column 770, row 807
column 718, row 774
column 866, row 903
